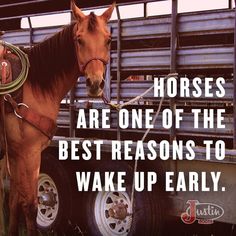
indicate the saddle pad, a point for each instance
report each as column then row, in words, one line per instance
column 2, row 51
column 5, row 72
column 12, row 69
column 15, row 64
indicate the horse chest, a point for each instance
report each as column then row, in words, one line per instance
column 19, row 133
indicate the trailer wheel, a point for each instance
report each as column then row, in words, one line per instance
column 53, row 196
column 109, row 213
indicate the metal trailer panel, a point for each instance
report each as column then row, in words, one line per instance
column 19, row 38
column 206, row 22
column 212, row 22
column 188, row 24
column 188, row 58
column 22, row 37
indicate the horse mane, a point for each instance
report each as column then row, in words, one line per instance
column 92, row 23
column 52, row 58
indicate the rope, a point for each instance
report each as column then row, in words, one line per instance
column 19, row 81
column 145, row 135
column 133, row 100
column 120, row 106
column 143, row 139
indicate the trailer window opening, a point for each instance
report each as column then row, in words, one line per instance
column 201, row 5
column 159, row 8
column 47, row 20
column 164, row 7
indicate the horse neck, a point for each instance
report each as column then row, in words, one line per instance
column 54, row 67
column 65, row 83
column 49, row 102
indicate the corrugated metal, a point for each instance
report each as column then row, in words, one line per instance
column 22, row 37
column 207, row 22
column 155, row 27
column 200, row 23
column 154, row 59
column 206, row 57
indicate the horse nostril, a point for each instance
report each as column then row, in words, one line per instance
column 88, row 82
column 102, row 84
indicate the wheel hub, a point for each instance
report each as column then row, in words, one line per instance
column 118, row 211
column 112, row 213
column 48, row 199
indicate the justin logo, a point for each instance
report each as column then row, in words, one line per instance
column 204, row 213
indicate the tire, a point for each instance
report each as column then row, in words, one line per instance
column 54, row 195
column 145, row 220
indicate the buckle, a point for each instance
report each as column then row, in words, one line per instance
column 18, row 106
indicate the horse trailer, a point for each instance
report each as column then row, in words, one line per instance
column 182, row 46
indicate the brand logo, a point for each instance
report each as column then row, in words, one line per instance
column 204, row 213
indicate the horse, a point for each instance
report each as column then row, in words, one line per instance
column 81, row 48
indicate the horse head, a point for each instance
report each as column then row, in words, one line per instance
column 92, row 43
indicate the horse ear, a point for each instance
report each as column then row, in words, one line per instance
column 78, row 14
column 107, row 14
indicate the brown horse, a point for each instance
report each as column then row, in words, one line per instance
column 81, row 48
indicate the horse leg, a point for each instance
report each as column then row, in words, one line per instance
column 2, row 176
column 25, row 171
column 29, row 199
column 14, row 210
column 30, row 207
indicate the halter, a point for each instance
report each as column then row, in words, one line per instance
column 83, row 66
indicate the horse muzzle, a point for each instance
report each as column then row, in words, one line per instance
column 95, row 87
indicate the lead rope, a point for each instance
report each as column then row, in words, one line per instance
column 145, row 135
column 143, row 139
column 137, row 98
column 118, row 107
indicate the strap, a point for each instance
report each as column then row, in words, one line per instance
column 83, row 67
column 3, row 135
column 3, row 143
column 5, row 67
column 44, row 124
